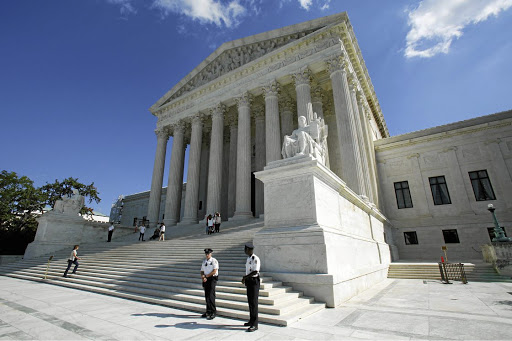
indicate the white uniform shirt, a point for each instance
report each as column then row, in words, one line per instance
column 111, row 228
column 73, row 255
column 209, row 265
column 253, row 264
column 142, row 228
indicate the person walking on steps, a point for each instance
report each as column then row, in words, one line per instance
column 217, row 222
column 209, row 224
column 209, row 276
column 162, row 233
column 252, row 283
column 142, row 229
column 73, row 259
column 110, row 231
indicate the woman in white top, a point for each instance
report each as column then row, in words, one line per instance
column 209, row 224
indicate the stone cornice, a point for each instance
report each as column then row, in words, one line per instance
column 467, row 127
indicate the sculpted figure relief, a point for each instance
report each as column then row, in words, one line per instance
column 307, row 139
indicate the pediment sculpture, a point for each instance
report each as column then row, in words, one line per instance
column 70, row 205
column 307, row 139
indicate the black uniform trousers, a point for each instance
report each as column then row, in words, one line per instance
column 69, row 266
column 110, row 235
column 253, row 292
column 209, row 294
column 141, row 235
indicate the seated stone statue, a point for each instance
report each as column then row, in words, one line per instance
column 70, row 205
column 307, row 139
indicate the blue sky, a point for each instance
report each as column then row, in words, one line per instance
column 77, row 77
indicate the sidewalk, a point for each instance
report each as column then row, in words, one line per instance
column 395, row 309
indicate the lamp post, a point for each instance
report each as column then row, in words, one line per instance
column 498, row 231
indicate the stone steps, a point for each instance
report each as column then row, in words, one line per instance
column 168, row 273
column 474, row 272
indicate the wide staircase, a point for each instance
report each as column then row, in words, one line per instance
column 168, row 273
column 475, row 272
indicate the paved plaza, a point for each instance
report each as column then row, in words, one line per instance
column 395, row 309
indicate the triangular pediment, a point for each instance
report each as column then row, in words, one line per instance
column 237, row 53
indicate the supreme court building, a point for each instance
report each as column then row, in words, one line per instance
column 234, row 109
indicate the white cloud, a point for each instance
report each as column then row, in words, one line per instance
column 435, row 23
column 126, row 6
column 205, row 11
column 306, row 4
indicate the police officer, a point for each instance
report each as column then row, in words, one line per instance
column 252, row 282
column 209, row 276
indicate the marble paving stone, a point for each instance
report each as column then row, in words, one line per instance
column 18, row 335
column 389, row 322
column 469, row 330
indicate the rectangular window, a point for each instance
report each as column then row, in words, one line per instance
column 481, row 185
column 439, row 190
column 403, row 195
column 490, row 231
column 450, row 236
column 410, row 238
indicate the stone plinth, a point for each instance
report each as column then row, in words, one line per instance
column 57, row 231
column 500, row 255
column 319, row 236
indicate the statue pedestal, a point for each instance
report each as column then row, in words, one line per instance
column 319, row 236
column 57, row 231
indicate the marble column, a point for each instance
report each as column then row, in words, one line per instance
column 272, row 130
column 317, row 103
column 286, row 116
column 175, row 182
column 345, row 120
column 225, row 177
column 259, row 120
column 243, row 169
column 361, row 142
column 370, row 149
column 333, row 144
column 194, row 167
column 233, row 132
column 203, row 172
column 158, row 177
column 302, row 80
column 215, row 166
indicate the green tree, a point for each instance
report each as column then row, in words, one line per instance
column 21, row 203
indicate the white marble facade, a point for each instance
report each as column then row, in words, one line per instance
column 234, row 109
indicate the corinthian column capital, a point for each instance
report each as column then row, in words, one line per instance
column 162, row 133
column 197, row 119
column 271, row 89
column 302, row 77
column 338, row 63
column 218, row 110
column 244, row 100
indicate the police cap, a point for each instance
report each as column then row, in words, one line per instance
column 207, row 251
column 249, row 245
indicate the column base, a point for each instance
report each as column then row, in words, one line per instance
column 188, row 221
column 241, row 216
column 170, row 222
